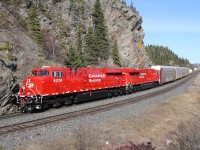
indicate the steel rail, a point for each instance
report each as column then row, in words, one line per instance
column 6, row 116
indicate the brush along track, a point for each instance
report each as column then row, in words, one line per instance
column 6, row 116
column 89, row 111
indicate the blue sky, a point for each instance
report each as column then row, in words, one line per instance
column 172, row 23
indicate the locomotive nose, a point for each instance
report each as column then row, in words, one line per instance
column 27, row 87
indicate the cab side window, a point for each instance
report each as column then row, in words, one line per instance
column 57, row 74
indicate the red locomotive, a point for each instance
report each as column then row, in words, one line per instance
column 51, row 86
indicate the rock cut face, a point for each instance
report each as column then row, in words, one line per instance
column 126, row 26
column 8, row 88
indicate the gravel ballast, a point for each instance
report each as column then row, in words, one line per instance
column 46, row 133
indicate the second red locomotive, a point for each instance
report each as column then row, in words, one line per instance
column 51, row 86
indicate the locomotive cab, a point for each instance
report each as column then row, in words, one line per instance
column 44, row 88
column 31, row 84
column 30, row 91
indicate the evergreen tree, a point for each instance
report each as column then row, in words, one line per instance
column 79, row 40
column 90, row 47
column 132, row 6
column 75, row 56
column 73, row 60
column 100, row 31
column 34, row 25
column 124, row 2
column 115, row 54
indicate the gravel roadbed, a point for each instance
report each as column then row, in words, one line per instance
column 46, row 133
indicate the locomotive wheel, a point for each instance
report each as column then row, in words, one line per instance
column 75, row 100
column 25, row 110
column 109, row 95
column 120, row 92
column 131, row 91
column 134, row 89
column 69, row 102
column 57, row 104
column 22, row 110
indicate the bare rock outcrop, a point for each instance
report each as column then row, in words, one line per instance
column 8, row 88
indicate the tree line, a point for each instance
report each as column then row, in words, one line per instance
column 160, row 55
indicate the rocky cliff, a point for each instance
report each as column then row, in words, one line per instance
column 8, row 88
column 58, row 20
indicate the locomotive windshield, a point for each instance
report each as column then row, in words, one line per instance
column 43, row 73
column 40, row 73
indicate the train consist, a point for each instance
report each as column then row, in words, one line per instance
column 51, row 86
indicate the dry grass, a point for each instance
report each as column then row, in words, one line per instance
column 186, row 137
column 171, row 125
column 85, row 139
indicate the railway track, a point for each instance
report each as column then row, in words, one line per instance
column 6, row 116
column 89, row 111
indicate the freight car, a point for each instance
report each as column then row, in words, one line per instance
column 51, row 86
column 178, row 72
column 185, row 71
column 166, row 73
column 170, row 73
